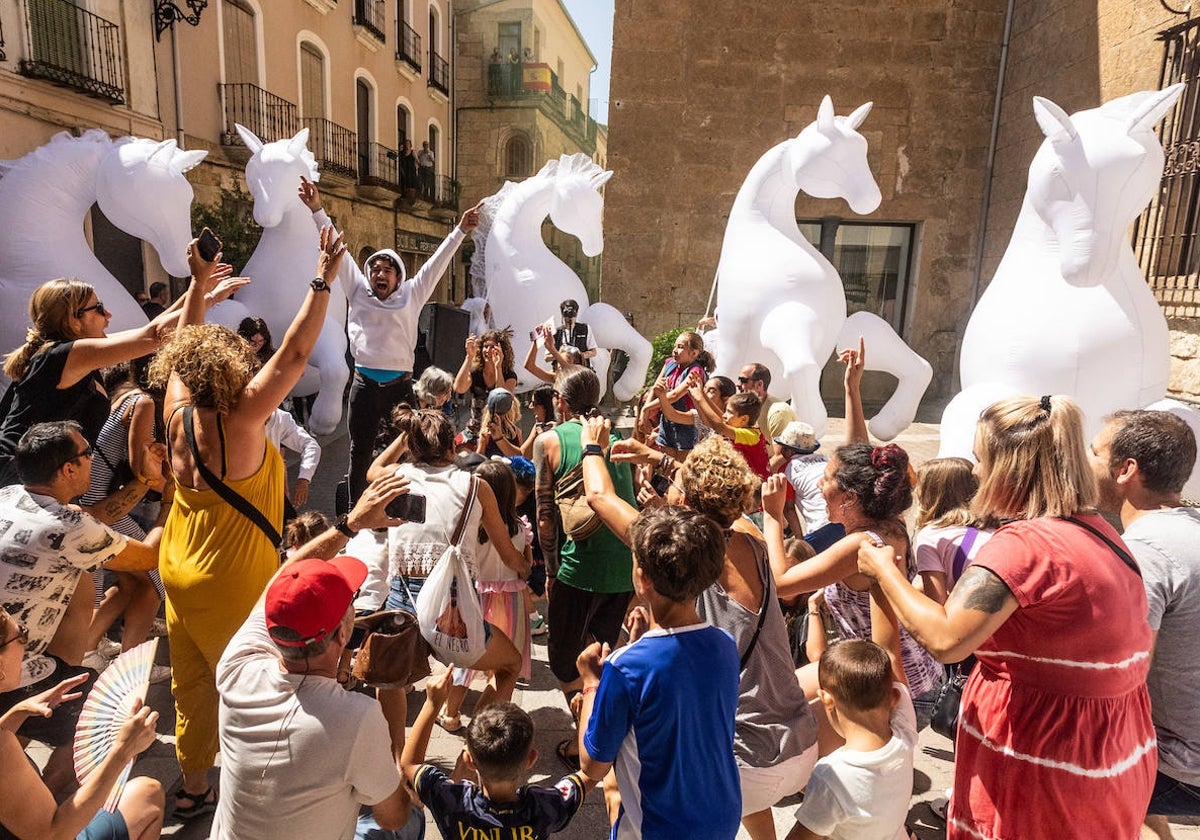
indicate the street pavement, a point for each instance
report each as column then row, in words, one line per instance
column 541, row 698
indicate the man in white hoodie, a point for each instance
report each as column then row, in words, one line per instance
column 383, row 306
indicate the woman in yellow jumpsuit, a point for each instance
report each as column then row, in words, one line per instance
column 214, row 560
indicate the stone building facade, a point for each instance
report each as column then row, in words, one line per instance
column 701, row 89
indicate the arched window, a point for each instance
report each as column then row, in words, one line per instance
column 402, row 125
column 312, row 81
column 518, row 157
column 241, row 53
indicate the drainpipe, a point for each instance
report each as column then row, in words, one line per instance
column 991, row 157
column 177, row 72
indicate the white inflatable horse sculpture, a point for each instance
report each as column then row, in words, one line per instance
column 781, row 303
column 45, row 197
column 283, row 263
column 1068, row 311
column 526, row 282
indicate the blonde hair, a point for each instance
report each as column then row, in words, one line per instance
column 51, row 308
column 717, row 481
column 510, row 421
column 945, row 487
column 214, row 363
column 1033, row 461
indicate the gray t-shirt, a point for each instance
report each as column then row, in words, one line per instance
column 773, row 721
column 1166, row 544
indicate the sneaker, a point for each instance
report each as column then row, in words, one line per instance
column 160, row 674
column 108, row 648
column 158, row 628
column 95, row 661
column 537, row 624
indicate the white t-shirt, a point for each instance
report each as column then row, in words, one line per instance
column 936, row 548
column 804, row 472
column 299, row 754
column 854, row 795
column 44, row 547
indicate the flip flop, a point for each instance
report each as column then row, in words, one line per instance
column 570, row 760
column 451, row 723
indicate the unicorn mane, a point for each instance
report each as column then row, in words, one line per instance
column 479, row 236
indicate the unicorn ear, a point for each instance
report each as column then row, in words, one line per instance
column 249, row 138
column 1054, row 121
column 825, row 115
column 600, row 179
column 184, row 161
column 300, row 142
column 860, row 114
column 163, row 153
column 1147, row 115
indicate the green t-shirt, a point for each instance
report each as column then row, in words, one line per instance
column 601, row 563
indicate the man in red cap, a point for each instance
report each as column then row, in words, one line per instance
column 300, row 754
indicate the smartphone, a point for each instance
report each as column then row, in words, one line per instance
column 660, row 483
column 410, row 507
column 208, row 245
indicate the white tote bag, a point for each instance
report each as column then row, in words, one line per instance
column 448, row 607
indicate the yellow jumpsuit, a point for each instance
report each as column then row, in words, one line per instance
column 215, row 564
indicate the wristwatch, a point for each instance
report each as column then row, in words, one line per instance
column 343, row 526
column 593, row 449
column 318, row 284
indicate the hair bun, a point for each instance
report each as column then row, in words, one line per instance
column 890, row 457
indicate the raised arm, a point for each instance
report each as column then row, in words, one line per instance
column 545, row 454
column 602, row 496
column 531, row 364
column 382, row 465
column 708, row 413
column 856, row 421
column 835, row 563
column 685, row 418
column 462, row 380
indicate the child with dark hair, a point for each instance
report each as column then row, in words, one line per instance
column 500, row 752
column 661, row 710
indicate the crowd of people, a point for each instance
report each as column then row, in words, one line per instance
column 734, row 613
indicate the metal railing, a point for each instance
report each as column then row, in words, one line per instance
column 408, row 45
column 439, row 73
column 369, row 14
column 335, row 147
column 378, row 166
column 445, row 193
column 506, row 80
column 71, row 46
column 269, row 116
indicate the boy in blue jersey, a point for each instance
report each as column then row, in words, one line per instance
column 661, row 710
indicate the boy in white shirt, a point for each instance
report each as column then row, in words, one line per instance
column 861, row 791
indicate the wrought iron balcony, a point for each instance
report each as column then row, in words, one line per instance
column 72, row 47
column 369, row 14
column 538, row 85
column 408, row 45
column 335, row 147
column 269, row 116
column 439, row 73
column 445, row 193
column 378, row 166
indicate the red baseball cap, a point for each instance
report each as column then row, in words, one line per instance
column 310, row 597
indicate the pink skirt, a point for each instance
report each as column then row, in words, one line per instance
column 507, row 611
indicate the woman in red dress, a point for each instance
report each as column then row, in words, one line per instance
column 1054, row 737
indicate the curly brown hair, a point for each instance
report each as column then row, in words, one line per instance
column 214, row 363
column 717, row 481
column 506, row 352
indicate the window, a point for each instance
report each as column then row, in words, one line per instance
column 874, row 260
column 509, row 42
column 363, row 125
column 402, row 118
column 433, row 146
column 312, row 81
column 241, row 51
column 518, row 157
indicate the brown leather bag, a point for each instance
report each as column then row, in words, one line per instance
column 578, row 519
column 393, row 652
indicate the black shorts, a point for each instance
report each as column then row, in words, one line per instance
column 576, row 618
column 58, row 729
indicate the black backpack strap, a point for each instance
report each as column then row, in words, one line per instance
column 235, row 499
column 766, row 602
column 1117, row 550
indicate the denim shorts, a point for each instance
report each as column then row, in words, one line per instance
column 400, row 598
column 676, row 435
column 107, row 825
column 1173, row 798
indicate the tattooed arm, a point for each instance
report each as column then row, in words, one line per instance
column 978, row 605
column 545, row 457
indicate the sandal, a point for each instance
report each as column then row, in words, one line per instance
column 197, row 805
column 451, row 723
column 570, row 760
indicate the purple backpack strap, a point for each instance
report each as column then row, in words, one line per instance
column 964, row 551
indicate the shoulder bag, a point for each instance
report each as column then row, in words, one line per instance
column 393, row 653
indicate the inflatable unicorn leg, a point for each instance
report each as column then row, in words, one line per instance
column 887, row 352
column 600, row 364
column 329, row 357
column 1189, row 415
column 613, row 331
column 961, row 417
column 791, row 331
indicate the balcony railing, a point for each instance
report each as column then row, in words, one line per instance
column 269, row 116
column 369, row 14
column 439, row 73
column 378, row 166
column 445, row 193
column 72, row 47
column 335, row 147
column 507, row 80
column 408, row 45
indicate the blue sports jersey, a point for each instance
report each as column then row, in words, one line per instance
column 664, row 715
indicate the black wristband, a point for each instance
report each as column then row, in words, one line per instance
column 343, row 527
column 593, row 449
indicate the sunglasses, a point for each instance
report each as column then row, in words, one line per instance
column 86, row 453
column 742, row 380
column 22, row 635
column 98, row 306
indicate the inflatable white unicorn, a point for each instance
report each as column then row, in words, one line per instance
column 280, row 269
column 781, row 303
column 45, row 196
column 1068, row 311
column 525, row 282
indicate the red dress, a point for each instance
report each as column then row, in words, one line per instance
column 1055, row 738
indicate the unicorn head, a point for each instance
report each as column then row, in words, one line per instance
column 1094, row 173
column 576, row 206
column 141, row 189
column 273, row 173
column 828, row 159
